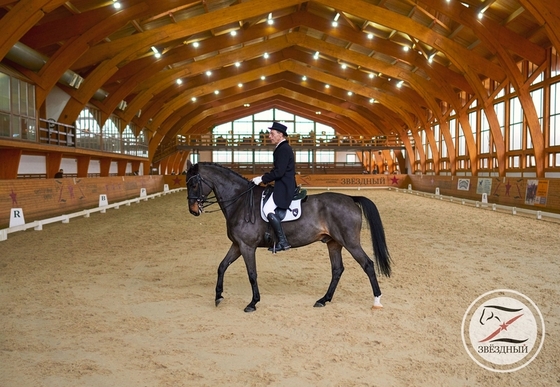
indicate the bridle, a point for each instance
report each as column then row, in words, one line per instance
column 201, row 199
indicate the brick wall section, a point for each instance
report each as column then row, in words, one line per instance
column 508, row 191
column 45, row 198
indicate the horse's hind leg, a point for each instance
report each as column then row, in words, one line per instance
column 230, row 257
column 337, row 268
column 367, row 265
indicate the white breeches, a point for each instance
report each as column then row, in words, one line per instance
column 269, row 206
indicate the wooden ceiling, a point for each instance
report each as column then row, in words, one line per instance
column 389, row 66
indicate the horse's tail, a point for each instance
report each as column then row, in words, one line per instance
column 380, row 250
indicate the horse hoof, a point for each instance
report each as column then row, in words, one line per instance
column 249, row 309
column 319, row 305
column 219, row 300
column 377, row 307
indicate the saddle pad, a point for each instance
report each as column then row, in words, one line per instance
column 293, row 213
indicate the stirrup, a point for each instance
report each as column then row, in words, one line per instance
column 274, row 248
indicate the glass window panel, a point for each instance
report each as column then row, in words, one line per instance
column 4, row 125
column 31, row 100
column 15, row 96
column 280, row 115
column 23, row 98
column 267, row 115
column 4, row 92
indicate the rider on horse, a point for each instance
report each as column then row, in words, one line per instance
column 284, row 176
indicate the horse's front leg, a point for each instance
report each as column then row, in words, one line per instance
column 230, row 257
column 337, row 268
column 248, row 253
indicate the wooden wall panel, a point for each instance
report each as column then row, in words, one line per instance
column 507, row 191
column 44, row 198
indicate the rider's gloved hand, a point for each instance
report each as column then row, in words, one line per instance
column 257, row 180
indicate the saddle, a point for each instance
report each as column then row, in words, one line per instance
column 294, row 211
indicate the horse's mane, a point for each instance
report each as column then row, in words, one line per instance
column 222, row 167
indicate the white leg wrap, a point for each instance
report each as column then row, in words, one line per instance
column 377, row 303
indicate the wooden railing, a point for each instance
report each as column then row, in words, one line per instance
column 194, row 141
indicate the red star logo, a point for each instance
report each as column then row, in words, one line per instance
column 395, row 180
column 177, row 181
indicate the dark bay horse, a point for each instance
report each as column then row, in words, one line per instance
column 332, row 218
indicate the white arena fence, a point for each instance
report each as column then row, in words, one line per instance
column 483, row 204
column 38, row 224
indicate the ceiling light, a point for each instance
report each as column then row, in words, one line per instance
column 237, row 64
column 399, row 85
column 371, row 75
column 265, row 55
column 240, row 85
column 196, row 44
column 246, row 104
column 117, row 5
column 156, row 52
column 480, row 15
column 317, row 112
column 406, row 48
column 327, row 86
column 208, row 73
column 337, row 16
column 233, row 33
column 304, row 78
column 216, row 92
column 179, row 81
column 371, row 100
column 263, row 78
column 370, row 36
column 343, row 65
column 193, row 99
column 335, row 24
column 270, row 21
column 350, row 93
column 431, row 57
column 316, row 56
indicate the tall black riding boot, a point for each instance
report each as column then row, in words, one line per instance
column 277, row 227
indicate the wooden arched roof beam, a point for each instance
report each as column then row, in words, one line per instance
column 138, row 71
column 134, row 45
column 198, row 87
column 164, row 80
column 78, row 45
column 387, row 119
column 488, row 31
column 363, row 123
column 547, row 14
column 221, row 42
column 23, row 16
column 472, row 65
column 391, row 102
column 341, row 125
column 202, row 89
column 175, row 122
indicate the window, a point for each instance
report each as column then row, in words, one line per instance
column 250, row 126
column 515, row 124
column 17, row 109
column 88, row 132
column 554, row 138
column 484, row 133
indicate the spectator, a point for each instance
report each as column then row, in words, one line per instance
column 59, row 174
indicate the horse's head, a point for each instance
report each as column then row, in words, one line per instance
column 197, row 190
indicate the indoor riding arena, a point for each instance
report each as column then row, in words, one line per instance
column 416, row 141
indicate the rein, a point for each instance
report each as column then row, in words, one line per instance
column 202, row 200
